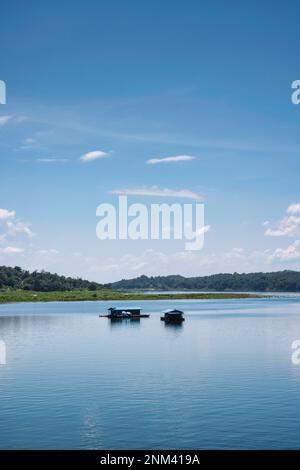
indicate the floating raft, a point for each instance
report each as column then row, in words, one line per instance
column 124, row 313
column 172, row 316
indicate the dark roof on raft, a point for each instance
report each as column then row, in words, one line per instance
column 173, row 311
column 124, row 309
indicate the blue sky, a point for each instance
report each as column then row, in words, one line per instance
column 143, row 80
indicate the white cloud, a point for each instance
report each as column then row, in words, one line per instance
column 4, row 120
column 267, row 257
column 188, row 263
column 291, row 253
column 155, row 191
column 19, row 227
column 152, row 262
column 294, row 209
column 6, row 214
column 289, row 225
column 177, row 158
column 8, row 250
column 12, row 228
column 235, row 253
column 95, row 155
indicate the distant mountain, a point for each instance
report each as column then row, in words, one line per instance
column 17, row 278
column 281, row 281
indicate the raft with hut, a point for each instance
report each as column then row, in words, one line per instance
column 172, row 315
column 125, row 313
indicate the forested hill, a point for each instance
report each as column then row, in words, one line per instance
column 42, row 281
column 281, row 281
column 17, row 278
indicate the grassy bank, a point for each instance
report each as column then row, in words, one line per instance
column 10, row 296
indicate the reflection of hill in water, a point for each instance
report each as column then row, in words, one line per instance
column 26, row 323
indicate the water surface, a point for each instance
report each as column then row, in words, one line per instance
column 224, row 379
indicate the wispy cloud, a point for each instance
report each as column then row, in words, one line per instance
column 28, row 144
column 94, row 155
column 11, row 226
column 156, row 191
column 19, row 227
column 8, row 250
column 51, row 251
column 4, row 120
column 52, row 160
column 15, row 235
column 175, row 159
column 145, row 131
column 21, row 118
column 29, row 141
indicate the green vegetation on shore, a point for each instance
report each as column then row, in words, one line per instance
column 11, row 296
column 17, row 279
column 19, row 285
column 279, row 281
column 41, row 281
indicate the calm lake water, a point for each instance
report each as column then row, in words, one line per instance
column 224, row 379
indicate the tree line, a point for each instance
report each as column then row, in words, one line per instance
column 41, row 281
column 280, row 281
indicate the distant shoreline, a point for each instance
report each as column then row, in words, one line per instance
column 17, row 285
column 15, row 296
